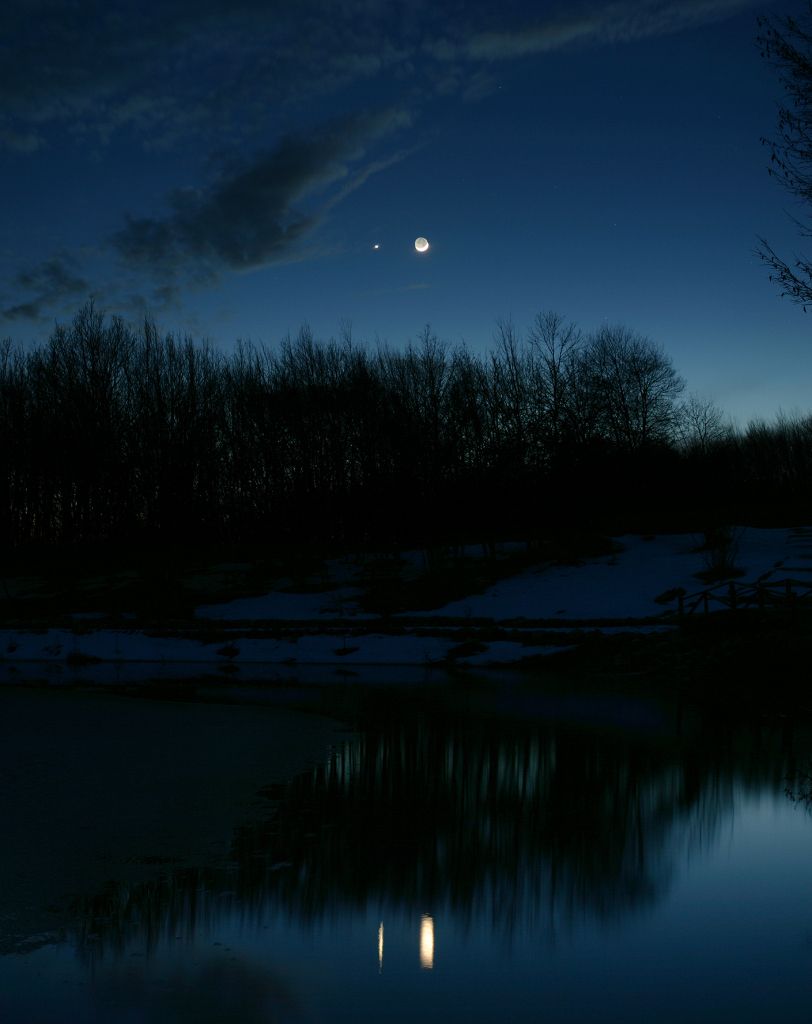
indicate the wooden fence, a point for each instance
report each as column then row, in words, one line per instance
column 785, row 593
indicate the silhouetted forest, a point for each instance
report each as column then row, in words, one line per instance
column 122, row 436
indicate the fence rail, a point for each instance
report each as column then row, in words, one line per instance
column 734, row 596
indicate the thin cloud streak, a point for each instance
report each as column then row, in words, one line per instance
column 170, row 72
column 226, row 73
column 105, row 69
column 52, row 281
column 254, row 216
column 417, row 286
column 616, row 23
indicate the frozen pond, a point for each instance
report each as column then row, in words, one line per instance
column 455, row 856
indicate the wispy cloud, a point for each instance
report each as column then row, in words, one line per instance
column 165, row 73
column 224, row 74
column 612, row 23
column 223, row 69
column 260, row 213
column 52, row 281
column 415, row 286
column 21, row 141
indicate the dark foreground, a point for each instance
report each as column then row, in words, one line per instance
column 480, row 850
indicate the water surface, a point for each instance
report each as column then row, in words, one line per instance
column 456, row 856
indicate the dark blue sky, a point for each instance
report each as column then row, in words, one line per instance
column 229, row 165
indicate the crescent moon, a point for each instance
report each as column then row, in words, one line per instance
column 421, row 244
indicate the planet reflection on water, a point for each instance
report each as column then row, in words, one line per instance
column 426, row 942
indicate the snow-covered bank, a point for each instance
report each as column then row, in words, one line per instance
column 555, row 604
column 84, row 653
column 627, row 584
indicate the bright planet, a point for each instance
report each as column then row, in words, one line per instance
column 421, row 244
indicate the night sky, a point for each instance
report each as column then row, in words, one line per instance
column 236, row 168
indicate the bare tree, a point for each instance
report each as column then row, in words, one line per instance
column 786, row 42
column 700, row 424
column 509, row 375
column 555, row 344
column 15, row 424
column 637, row 387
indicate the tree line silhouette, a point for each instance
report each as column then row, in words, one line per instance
column 119, row 435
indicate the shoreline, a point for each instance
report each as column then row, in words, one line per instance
column 231, row 648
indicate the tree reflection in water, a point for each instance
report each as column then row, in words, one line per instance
column 499, row 823
column 209, row 991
